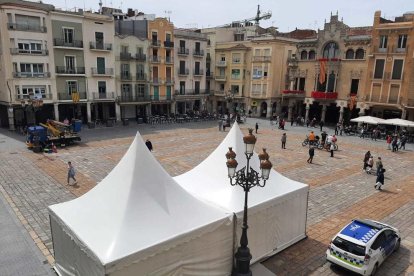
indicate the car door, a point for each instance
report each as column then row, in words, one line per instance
column 390, row 241
column 376, row 251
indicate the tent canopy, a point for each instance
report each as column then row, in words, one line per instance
column 136, row 207
column 368, row 120
column 398, row 122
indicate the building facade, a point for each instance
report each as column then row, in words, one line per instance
column 190, row 93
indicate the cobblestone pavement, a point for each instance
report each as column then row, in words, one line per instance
column 339, row 190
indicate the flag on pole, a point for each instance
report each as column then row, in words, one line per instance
column 322, row 71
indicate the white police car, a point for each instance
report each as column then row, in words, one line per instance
column 363, row 245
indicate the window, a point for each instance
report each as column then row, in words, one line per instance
column 331, row 82
column 125, row 88
column 140, row 51
column 312, row 55
column 124, row 49
column 348, row 246
column 102, row 89
column 236, row 58
column 257, row 73
column 266, row 68
column 197, row 68
column 331, row 50
column 304, row 55
column 182, row 67
column 402, row 41
column 168, row 37
column 32, row 92
column 266, row 52
column 354, row 86
column 349, row 54
column 378, row 241
column 140, row 90
column 99, row 38
column 383, row 42
column 100, row 64
column 256, row 88
column 140, row 69
column 379, row 68
column 38, row 69
column 71, row 86
column 222, row 87
column 125, row 72
column 182, row 87
column 235, row 89
column 197, row 47
column 235, row 74
column 154, row 36
column 25, row 68
column 68, row 35
column 197, row 87
column 360, row 54
column 182, row 44
column 29, row 47
column 223, row 58
column 257, row 52
column 301, row 84
column 397, row 69
column 70, row 63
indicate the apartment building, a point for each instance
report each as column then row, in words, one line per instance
column 26, row 84
column 329, row 69
column 161, row 53
column 132, row 70
column 389, row 90
column 190, row 93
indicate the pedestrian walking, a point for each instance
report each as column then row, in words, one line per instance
column 380, row 179
column 283, row 140
column 220, row 124
column 321, row 123
column 378, row 164
column 149, row 145
column 311, row 154
column 341, row 130
column 332, row 148
column 389, row 140
column 257, row 126
column 337, row 129
column 366, row 158
column 307, row 122
column 291, row 122
column 71, row 173
column 395, row 143
column 403, row 141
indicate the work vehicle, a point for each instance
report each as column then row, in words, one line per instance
column 363, row 245
column 52, row 133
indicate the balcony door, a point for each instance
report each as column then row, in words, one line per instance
column 102, row 89
column 99, row 39
column 72, row 87
column 70, row 64
column 182, row 87
column 68, row 35
column 100, row 64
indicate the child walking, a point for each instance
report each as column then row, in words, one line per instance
column 71, row 173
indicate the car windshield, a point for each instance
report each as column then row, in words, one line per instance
column 349, row 246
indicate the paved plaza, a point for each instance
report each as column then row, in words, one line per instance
column 339, row 189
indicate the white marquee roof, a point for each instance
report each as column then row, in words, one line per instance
column 137, row 206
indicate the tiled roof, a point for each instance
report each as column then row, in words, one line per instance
column 300, row 34
column 357, row 31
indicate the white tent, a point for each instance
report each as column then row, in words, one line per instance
column 277, row 212
column 138, row 221
column 398, row 122
column 368, row 120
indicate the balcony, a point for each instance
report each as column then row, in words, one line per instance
column 26, row 27
column 168, row 44
column 209, row 75
column 183, row 71
column 220, row 78
column 155, row 59
column 198, row 53
column 140, row 57
column 125, row 56
column 158, row 98
column 221, row 63
column 70, row 70
column 141, row 77
column 126, row 76
column 31, row 75
column 103, row 95
column 169, row 81
column 100, row 46
column 156, row 81
column 128, row 97
column 66, row 97
column 17, row 51
column 191, row 93
column 198, row 73
column 169, row 60
column 59, row 42
column 293, row 93
column 182, row 51
column 319, row 95
column 45, row 96
column 155, row 43
column 261, row 59
column 102, row 71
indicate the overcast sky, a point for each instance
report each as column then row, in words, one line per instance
column 286, row 14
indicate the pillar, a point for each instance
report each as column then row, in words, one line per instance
column 341, row 114
column 56, row 111
column 290, row 111
column 88, row 112
column 307, row 112
column 324, row 107
column 118, row 112
column 269, row 109
column 173, row 107
column 214, row 106
column 278, row 108
column 404, row 113
column 148, row 110
column 10, row 113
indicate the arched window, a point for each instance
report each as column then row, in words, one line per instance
column 304, row 55
column 312, row 54
column 349, row 54
column 360, row 54
column 331, row 50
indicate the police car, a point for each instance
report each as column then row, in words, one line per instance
column 363, row 245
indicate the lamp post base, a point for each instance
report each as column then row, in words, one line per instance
column 243, row 258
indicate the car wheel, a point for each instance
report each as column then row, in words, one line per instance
column 374, row 270
column 397, row 245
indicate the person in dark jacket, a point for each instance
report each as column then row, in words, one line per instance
column 380, row 179
column 311, row 154
column 148, row 144
column 283, row 140
column 366, row 158
column 257, row 127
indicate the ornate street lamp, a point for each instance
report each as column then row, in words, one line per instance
column 246, row 178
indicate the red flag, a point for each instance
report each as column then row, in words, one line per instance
column 322, row 71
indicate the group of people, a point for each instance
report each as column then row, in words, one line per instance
column 379, row 172
column 397, row 142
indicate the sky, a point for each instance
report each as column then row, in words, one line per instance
column 286, row 15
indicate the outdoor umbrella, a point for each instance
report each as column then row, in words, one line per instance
column 398, row 122
column 368, row 120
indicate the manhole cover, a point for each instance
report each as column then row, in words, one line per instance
column 13, row 152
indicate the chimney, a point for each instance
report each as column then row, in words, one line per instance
column 130, row 12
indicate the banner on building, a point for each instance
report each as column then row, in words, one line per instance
column 322, row 71
column 352, row 102
column 75, row 96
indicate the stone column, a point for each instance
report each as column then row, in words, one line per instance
column 324, row 107
column 118, row 112
column 269, row 109
column 278, row 107
column 173, row 107
column 148, row 109
column 307, row 112
column 341, row 114
column 290, row 111
column 88, row 112
column 56, row 111
column 10, row 114
column 403, row 113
